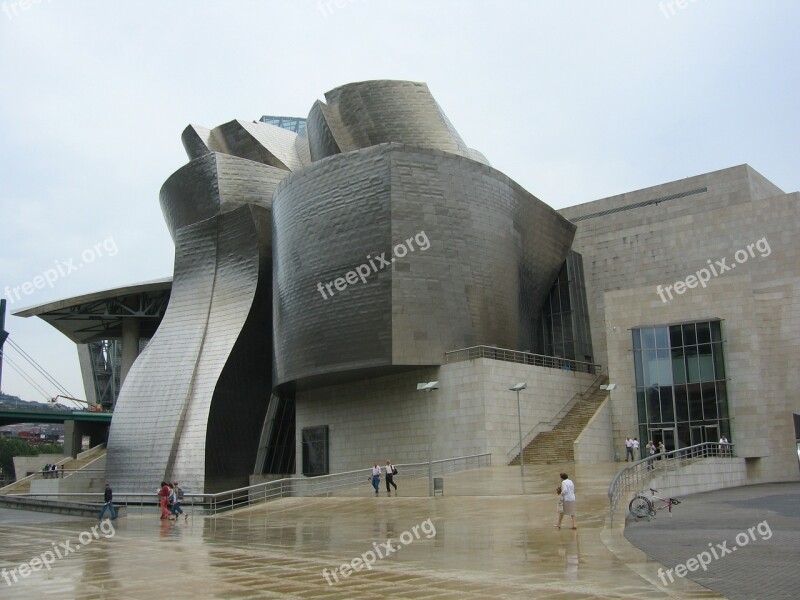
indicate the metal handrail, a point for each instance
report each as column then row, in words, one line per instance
column 517, row 356
column 326, row 484
column 212, row 504
column 61, row 473
column 634, row 474
column 550, row 424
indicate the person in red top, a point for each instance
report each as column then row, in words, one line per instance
column 163, row 495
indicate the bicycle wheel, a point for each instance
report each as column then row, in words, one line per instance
column 640, row 507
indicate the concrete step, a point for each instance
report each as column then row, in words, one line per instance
column 557, row 445
column 78, row 509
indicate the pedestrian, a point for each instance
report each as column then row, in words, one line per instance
column 171, row 500
column 376, row 477
column 163, row 498
column 662, row 449
column 568, row 496
column 108, row 503
column 559, row 508
column 391, row 471
column 636, row 452
column 46, row 471
column 723, row 445
column 628, row 449
column 651, row 451
column 177, row 501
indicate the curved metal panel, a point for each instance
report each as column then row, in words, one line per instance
column 205, row 374
column 215, row 183
column 321, row 141
column 259, row 142
column 196, row 141
column 377, row 112
column 491, row 252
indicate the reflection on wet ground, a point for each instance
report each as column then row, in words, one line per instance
column 494, row 543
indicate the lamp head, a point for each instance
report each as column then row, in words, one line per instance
column 427, row 387
column 518, row 386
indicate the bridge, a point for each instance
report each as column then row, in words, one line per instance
column 77, row 423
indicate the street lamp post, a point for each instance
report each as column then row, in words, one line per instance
column 429, row 387
column 517, row 387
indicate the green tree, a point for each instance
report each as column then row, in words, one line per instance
column 11, row 447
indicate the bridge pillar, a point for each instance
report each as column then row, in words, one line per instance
column 74, row 432
column 72, row 439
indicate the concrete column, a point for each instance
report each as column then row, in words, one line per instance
column 72, row 438
column 130, row 346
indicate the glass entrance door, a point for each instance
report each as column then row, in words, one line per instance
column 669, row 439
column 664, row 435
column 701, row 434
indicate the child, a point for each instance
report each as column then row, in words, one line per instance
column 559, row 506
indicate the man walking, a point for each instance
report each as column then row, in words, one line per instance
column 628, row 449
column 390, row 471
column 376, row 477
column 636, row 452
column 108, row 495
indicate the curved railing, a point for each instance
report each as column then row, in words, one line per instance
column 633, row 476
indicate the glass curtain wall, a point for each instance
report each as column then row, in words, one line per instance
column 681, row 390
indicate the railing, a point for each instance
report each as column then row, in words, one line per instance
column 633, row 476
column 549, row 425
column 323, row 485
column 526, row 358
column 63, row 473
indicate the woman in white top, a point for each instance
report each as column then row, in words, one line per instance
column 568, row 495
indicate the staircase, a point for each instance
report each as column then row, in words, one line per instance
column 555, row 446
column 84, row 459
column 23, row 486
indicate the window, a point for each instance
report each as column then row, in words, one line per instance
column 315, row 450
column 680, row 379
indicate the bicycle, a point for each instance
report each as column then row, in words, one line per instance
column 646, row 506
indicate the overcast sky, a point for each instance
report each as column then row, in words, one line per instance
column 575, row 100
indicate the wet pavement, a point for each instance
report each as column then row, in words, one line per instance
column 494, row 543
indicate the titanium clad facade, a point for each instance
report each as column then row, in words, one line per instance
column 270, row 228
column 453, row 252
column 186, row 411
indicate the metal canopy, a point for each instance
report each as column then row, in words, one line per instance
column 99, row 315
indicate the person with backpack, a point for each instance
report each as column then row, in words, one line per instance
column 391, row 471
column 177, row 500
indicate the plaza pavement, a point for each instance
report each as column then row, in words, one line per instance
column 490, row 541
column 753, row 530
